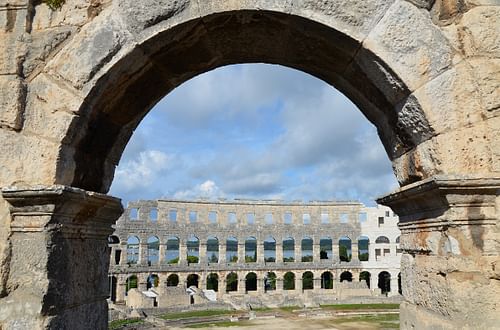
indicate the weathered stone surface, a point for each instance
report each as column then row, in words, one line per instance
column 12, row 101
column 480, row 31
column 416, row 48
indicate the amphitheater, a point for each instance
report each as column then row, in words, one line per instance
column 253, row 253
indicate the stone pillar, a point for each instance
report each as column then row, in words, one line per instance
column 241, row 252
column 298, row 282
column 354, row 251
column 123, row 257
column 222, row 286
column 260, row 251
column 260, row 284
column 161, row 253
column 449, row 237
column 394, row 285
column 222, row 253
column 335, row 252
column 316, row 251
column 279, row 284
column 182, row 252
column 58, row 272
column 279, row 251
column 317, row 283
column 241, row 284
column 203, row 253
column 298, row 251
column 143, row 253
column 120, row 289
column 142, row 281
column 373, row 281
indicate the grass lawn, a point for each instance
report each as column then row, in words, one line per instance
column 184, row 315
column 360, row 306
column 222, row 324
column 116, row 324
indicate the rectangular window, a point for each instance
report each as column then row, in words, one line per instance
column 344, row 217
column 306, row 218
column 250, row 218
column 172, row 215
column 287, row 218
column 134, row 214
column 399, row 251
column 362, row 217
column 377, row 254
column 387, row 214
column 380, row 221
column 193, row 216
column 387, row 252
column 212, row 217
column 231, row 218
column 153, row 214
column 324, row 218
column 268, row 218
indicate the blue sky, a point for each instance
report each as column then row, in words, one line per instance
column 254, row 131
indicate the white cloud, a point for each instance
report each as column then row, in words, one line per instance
column 141, row 172
column 207, row 189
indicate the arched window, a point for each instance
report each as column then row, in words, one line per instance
column 288, row 250
column 212, row 249
column 365, row 276
column 307, row 281
column 132, row 250
column 153, row 281
column 346, row 276
column 251, row 282
column 193, row 250
column 172, row 253
column 289, row 281
column 213, row 282
column 173, row 280
column 327, row 280
column 231, row 282
column 382, row 239
column 307, row 249
column 251, row 249
column 325, row 248
column 232, row 249
column 270, row 281
column 363, row 248
column 192, row 280
column 345, row 252
column 112, row 288
column 270, row 249
column 131, row 283
column 397, row 239
column 153, row 250
column 113, row 239
column 384, row 282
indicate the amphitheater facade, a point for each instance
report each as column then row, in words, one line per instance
column 253, row 253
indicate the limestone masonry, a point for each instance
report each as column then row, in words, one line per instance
column 76, row 81
column 247, row 252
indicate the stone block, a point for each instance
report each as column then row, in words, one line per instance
column 487, row 74
column 480, row 31
column 12, row 101
column 412, row 46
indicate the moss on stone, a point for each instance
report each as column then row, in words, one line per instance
column 54, row 4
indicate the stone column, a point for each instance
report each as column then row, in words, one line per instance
column 260, row 284
column 58, row 272
column 241, row 252
column 394, row 285
column 143, row 253
column 298, row 251
column 373, row 281
column 222, row 286
column 260, row 251
column 298, row 282
column 203, row 253
column 120, row 289
column 123, row 257
column 354, row 251
column 182, row 253
column 222, row 253
column 161, row 253
column 335, row 251
column 449, row 237
column 316, row 251
column 142, row 281
column 317, row 283
column 279, row 284
column 279, row 251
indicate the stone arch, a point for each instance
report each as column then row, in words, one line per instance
column 232, row 249
column 345, row 249
column 193, row 249
column 153, row 249
column 213, row 282
column 113, row 283
column 193, row 280
column 173, row 280
column 365, row 276
column 133, row 249
column 269, row 249
column 382, row 240
column 327, row 280
column 212, row 249
column 363, row 248
column 308, row 280
column 289, row 281
column 288, row 249
column 153, row 281
column 232, row 282
column 131, row 283
column 172, row 251
column 270, row 281
column 384, row 282
column 251, row 249
column 346, row 276
column 251, row 282
column 413, row 87
column 306, row 248
column 325, row 248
